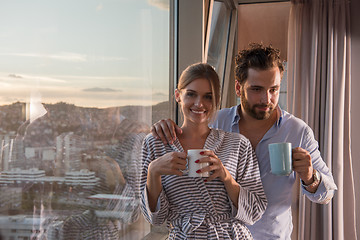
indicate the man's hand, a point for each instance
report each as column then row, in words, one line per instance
column 302, row 164
column 166, row 130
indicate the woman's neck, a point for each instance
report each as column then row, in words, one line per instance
column 193, row 136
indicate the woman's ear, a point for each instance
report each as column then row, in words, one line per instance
column 177, row 95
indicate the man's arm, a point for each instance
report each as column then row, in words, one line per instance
column 166, row 130
column 323, row 191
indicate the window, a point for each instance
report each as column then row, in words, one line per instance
column 219, row 44
column 81, row 83
column 271, row 28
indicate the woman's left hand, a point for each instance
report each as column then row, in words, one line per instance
column 215, row 165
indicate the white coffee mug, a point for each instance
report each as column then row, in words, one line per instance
column 192, row 156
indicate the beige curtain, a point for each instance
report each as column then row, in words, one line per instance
column 319, row 93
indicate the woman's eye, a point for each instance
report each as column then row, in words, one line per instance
column 209, row 97
column 190, row 94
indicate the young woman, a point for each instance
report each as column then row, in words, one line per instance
column 217, row 207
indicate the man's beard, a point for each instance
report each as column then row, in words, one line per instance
column 251, row 110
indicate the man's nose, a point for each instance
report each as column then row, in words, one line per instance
column 265, row 99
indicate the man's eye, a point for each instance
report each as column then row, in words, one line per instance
column 274, row 90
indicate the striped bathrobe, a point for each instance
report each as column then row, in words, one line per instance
column 194, row 209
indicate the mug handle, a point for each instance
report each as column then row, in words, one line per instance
column 186, row 171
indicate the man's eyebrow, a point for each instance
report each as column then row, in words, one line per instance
column 258, row 86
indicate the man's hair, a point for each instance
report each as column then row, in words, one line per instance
column 258, row 57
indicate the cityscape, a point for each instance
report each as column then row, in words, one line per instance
column 73, row 172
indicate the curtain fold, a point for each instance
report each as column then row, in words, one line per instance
column 319, row 84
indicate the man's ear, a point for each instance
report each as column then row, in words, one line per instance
column 177, row 95
column 237, row 88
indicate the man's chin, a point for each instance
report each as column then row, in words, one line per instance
column 262, row 115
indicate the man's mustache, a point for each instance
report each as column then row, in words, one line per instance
column 264, row 105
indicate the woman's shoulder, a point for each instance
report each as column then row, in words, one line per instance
column 231, row 137
column 151, row 140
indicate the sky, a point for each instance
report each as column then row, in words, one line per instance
column 85, row 52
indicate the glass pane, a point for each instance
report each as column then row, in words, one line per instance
column 283, row 89
column 218, row 37
column 271, row 28
column 81, row 83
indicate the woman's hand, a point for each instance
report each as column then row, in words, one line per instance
column 231, row 186
column 169, row 164
column 215, row 165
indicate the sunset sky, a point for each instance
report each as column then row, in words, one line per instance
column 85, row 52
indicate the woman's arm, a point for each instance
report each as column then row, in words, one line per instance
column 252, row 200
column 153, row 188
column 232, row 188
column 168, row 164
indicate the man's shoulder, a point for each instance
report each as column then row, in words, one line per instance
column 290, row 119
column 297, row 125
column 227, row 111
column 224, row 117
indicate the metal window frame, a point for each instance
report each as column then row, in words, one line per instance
column 225, row 70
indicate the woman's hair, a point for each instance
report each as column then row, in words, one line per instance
column 258, row 57
column 202, row 70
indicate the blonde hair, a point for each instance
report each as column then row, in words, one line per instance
column 202, row 70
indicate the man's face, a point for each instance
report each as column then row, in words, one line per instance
column 260, row 93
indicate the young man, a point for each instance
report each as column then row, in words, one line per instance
column 259, row 118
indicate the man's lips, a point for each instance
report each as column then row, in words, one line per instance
column 262, row 107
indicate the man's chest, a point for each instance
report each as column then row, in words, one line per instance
column 254, row 135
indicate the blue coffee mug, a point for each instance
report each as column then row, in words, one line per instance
column 280, row 158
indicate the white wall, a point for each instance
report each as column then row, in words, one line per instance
column 355, row 100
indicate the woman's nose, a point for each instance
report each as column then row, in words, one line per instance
column 198, row 102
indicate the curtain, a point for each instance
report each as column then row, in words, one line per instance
column 319, row 84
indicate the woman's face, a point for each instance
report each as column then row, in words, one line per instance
column 196, row 101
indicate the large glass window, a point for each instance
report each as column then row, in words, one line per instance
column 81, row 82
column 271, row 28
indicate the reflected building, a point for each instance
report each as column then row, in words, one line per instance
column 24, row 227
column 7, row 144
column 83, row 178
column 11, row 200
column 68, row 152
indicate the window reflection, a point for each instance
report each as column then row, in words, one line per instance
column 218, row 37
column 78, row 94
